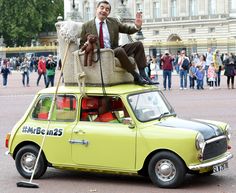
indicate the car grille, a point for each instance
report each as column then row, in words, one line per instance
column 215, row 148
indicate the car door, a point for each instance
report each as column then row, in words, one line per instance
column 100, row 143
column 57, row 148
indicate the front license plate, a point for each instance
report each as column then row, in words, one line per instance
column 220, row 167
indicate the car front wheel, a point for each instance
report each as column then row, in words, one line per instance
column 166, row 170
column 25, row 161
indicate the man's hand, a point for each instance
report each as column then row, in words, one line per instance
column 138, row 20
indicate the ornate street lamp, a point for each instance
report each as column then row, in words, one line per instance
column 74, row 14
column 139, row 36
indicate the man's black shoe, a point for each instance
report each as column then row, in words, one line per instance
column 140, row 81
column 150, row 82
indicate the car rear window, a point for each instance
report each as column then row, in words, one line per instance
column 64, row 110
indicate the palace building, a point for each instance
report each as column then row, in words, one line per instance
column 193, row 25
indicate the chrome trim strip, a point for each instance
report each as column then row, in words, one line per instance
column 211, row 163
column 215, row 139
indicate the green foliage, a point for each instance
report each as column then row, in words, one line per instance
column 23, row 20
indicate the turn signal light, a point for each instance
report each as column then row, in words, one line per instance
column 7, row 140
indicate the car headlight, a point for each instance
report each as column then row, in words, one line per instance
column 200, row 142
column 228, row 132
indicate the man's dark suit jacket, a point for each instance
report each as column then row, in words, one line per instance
column 114, row 27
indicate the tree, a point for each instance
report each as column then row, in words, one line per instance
column 22, row 20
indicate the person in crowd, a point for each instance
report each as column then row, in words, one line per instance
column 167, row 68
column 154, row 67
column 202, row 63
column 196, row 58
column 192, row 74
column 200, row 76
column 176, row 62
column 230, row 69
column 147, row 68
column 51, row 68
column 42, row 70
column 209, row 58
column 183, row 63
column 218, row 66
column 211, row 75
column 5, row 72
column 59, row 67
column 25, row 70
column 108, row 29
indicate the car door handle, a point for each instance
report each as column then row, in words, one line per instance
column 79, row 131
column 78, row 141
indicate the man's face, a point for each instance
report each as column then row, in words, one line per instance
column 103, row 10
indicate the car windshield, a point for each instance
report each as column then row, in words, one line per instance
column 150, row 105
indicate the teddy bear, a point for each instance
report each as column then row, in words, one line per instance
column 89, row 47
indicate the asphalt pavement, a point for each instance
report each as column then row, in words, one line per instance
column 216, row 104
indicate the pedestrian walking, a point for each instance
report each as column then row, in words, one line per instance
column 211, row 75
column 42, row 70
column 200, row 76
column 183, row 63
column 25, row 70
column 51, row 68
column 154, row 67
column 218, row 67
column 5, row 72
column 192, row 74
column 209, row 59
column 167, row 68
column 230, row 70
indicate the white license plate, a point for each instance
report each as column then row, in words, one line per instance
column 220, row 167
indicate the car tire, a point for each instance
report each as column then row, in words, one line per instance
column 25, row 160
column 166, row 170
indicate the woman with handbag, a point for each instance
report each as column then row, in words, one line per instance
column 230, row 70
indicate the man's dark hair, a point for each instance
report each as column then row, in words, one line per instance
column 106, row 2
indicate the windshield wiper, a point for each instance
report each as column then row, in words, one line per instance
column 166, row 114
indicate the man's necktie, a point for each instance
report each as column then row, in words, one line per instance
column 101, row 41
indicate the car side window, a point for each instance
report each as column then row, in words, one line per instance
column 64, row 110
column 103, row 109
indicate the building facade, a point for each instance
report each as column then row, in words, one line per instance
column 193, row 25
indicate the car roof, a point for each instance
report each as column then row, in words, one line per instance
column 116, row 89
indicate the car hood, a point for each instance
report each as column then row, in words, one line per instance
column 208, row 130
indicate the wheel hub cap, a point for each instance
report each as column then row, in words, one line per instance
column 165, row 170
column 28, row 161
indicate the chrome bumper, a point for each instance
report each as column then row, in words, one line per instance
column 211, row 163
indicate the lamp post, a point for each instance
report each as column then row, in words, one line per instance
column 74, row 14
column 139, row 36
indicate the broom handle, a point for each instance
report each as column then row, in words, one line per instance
column 50, row 111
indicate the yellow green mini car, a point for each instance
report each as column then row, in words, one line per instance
column 122, row 129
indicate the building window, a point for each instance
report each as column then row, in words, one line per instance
column 193, row 7
column 173, row 8
column 156, row 9
column 192, row 31
column 156, row 32
column 139, row 6
column 212, row 7
column 233, row 5
column 212, row 30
